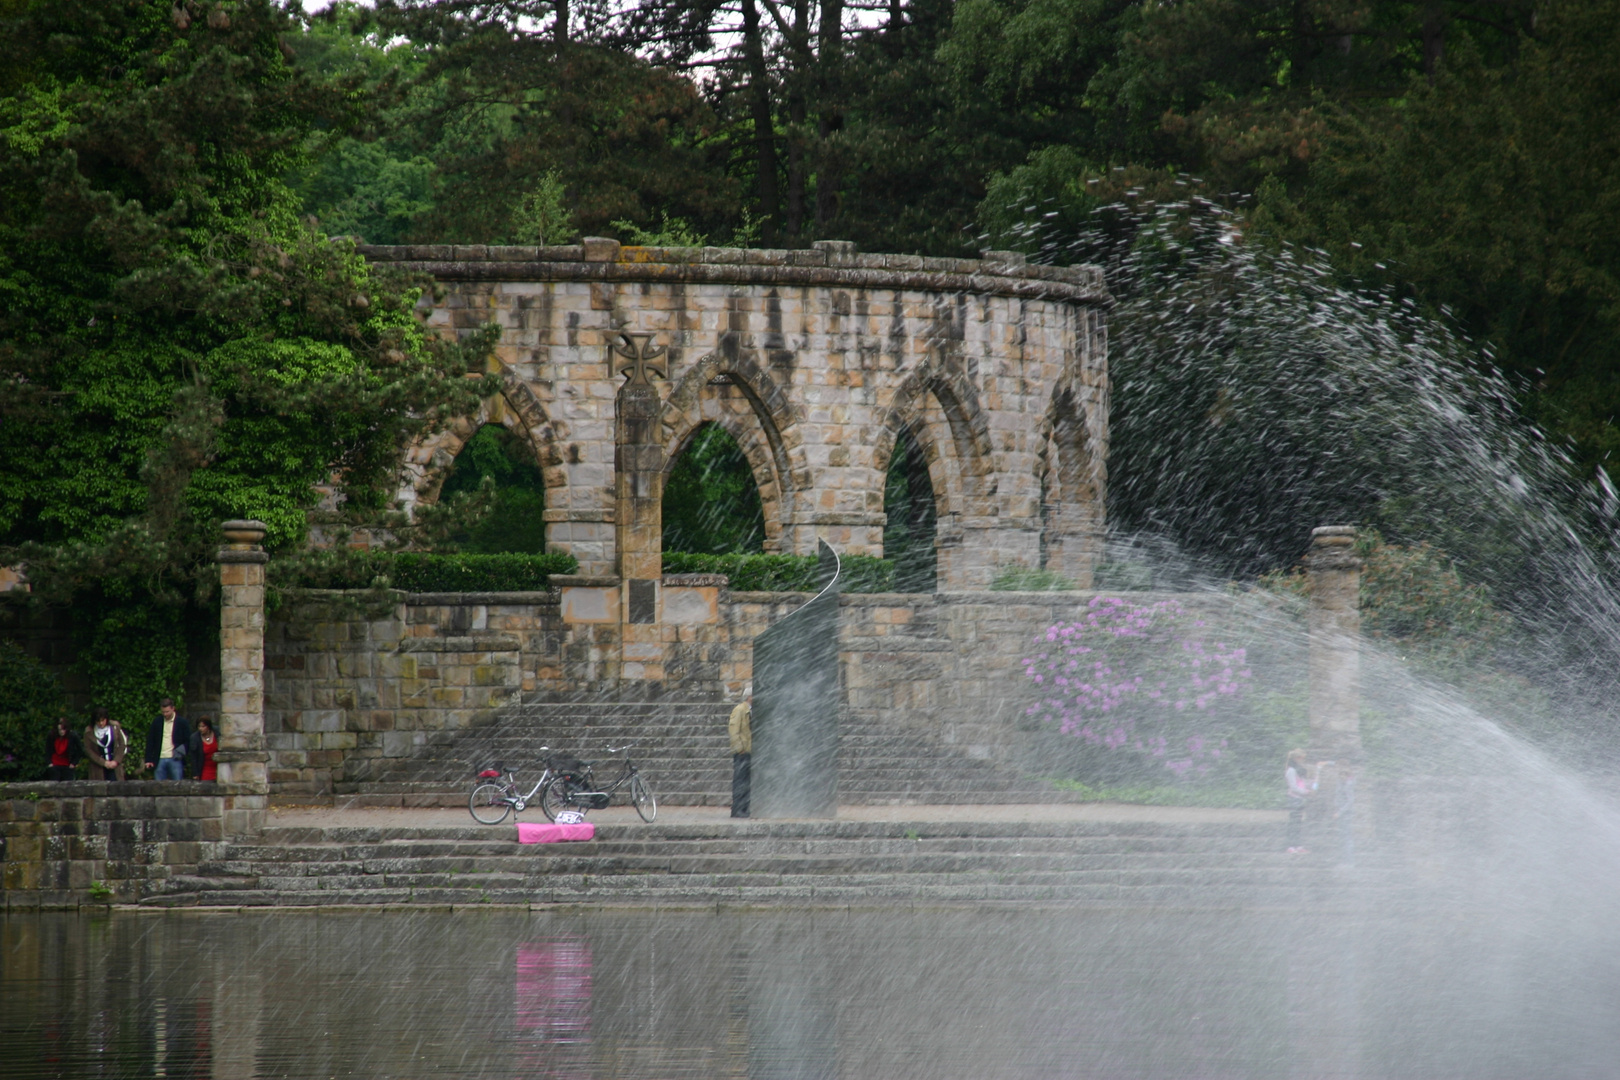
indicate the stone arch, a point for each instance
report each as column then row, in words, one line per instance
column 1070, row 472
column 515, row 406
column 956, row 441
column 764, row 442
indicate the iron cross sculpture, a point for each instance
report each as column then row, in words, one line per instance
column 641, row 356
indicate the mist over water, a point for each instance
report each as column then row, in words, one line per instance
column 770, row 996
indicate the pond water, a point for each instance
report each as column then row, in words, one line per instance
column 803, row 994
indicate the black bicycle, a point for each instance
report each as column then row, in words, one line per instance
column 576, row 789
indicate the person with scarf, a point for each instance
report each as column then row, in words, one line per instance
column 106, row 744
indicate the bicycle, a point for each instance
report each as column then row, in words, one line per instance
column 576, row 789
column 496, row 794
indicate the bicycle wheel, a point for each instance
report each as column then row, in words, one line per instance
column 558, row 795
column 489, row 803
column 641, row 794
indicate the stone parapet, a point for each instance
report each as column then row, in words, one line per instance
column 63, row 845
column 1007, row 275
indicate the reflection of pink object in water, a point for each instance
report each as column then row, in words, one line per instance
column 552, row 1009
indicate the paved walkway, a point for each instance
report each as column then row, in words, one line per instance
column 428, row 817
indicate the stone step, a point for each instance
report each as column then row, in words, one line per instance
column 1317, row 889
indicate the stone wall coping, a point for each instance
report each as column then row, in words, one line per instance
column 999, row 275
column 508, row 599
column 746, row 597
column 84, row 789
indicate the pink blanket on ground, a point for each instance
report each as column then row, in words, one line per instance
column 550, row 833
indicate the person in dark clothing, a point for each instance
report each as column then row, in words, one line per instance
column 204, row 745
column 62, row 745
column 168, row 743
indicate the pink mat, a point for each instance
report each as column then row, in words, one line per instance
column 551, row 834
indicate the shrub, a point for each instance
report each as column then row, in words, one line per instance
column 30, row 701
column 783, row 573
column 1015, row 578
column 420, row 572
column 1141, row 686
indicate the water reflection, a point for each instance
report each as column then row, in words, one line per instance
column 636, row 994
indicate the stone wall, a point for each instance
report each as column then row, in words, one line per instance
column 348, row 696
column 349, row 692
column 67, row 844
column 815, row 361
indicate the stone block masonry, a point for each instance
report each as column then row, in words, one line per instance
column 64, row 845
column 815, row 362
column 349, row 693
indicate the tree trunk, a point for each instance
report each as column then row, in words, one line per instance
column 759, row 94
column 559, row 29
column 802, row 71
column 1434, row 37
column 831, row 116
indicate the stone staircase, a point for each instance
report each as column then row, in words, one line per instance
column 821, row 863
column 683, row 749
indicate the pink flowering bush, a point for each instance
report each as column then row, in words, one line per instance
column 1143, row 686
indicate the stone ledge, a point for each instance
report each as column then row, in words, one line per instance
column 82, row 789
column 732, row 266
column 584, row 581
column 512, row 599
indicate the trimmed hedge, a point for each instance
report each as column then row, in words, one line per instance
column 783, row 573
column 414, row 571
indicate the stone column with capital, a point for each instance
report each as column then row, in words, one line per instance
column 1335, row 644
column 242, row 759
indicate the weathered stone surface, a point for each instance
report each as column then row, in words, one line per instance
column 813, row 361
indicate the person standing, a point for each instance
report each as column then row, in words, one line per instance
column 742, row 754
column 168, row 742
column 204, row 744
column 106, row 744
column 64, row 750
column 1301, row 786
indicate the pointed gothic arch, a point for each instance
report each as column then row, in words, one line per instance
column 741, row 397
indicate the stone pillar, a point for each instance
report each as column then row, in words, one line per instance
column 242, row 758
column 639, row 517
column 1335, row 644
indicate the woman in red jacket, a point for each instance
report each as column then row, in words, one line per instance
column 63, row 747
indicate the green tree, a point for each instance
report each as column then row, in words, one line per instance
column 177, row 346
column 505, row 463
column 30, row 701
column 711, row 503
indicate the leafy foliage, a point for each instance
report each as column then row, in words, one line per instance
column 177, row 346
column 783, row 573
column 420, row 572
column 515, row 521
column 711, row 503
column 30, row 701
column 1015, row 578
column 1144, row 687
